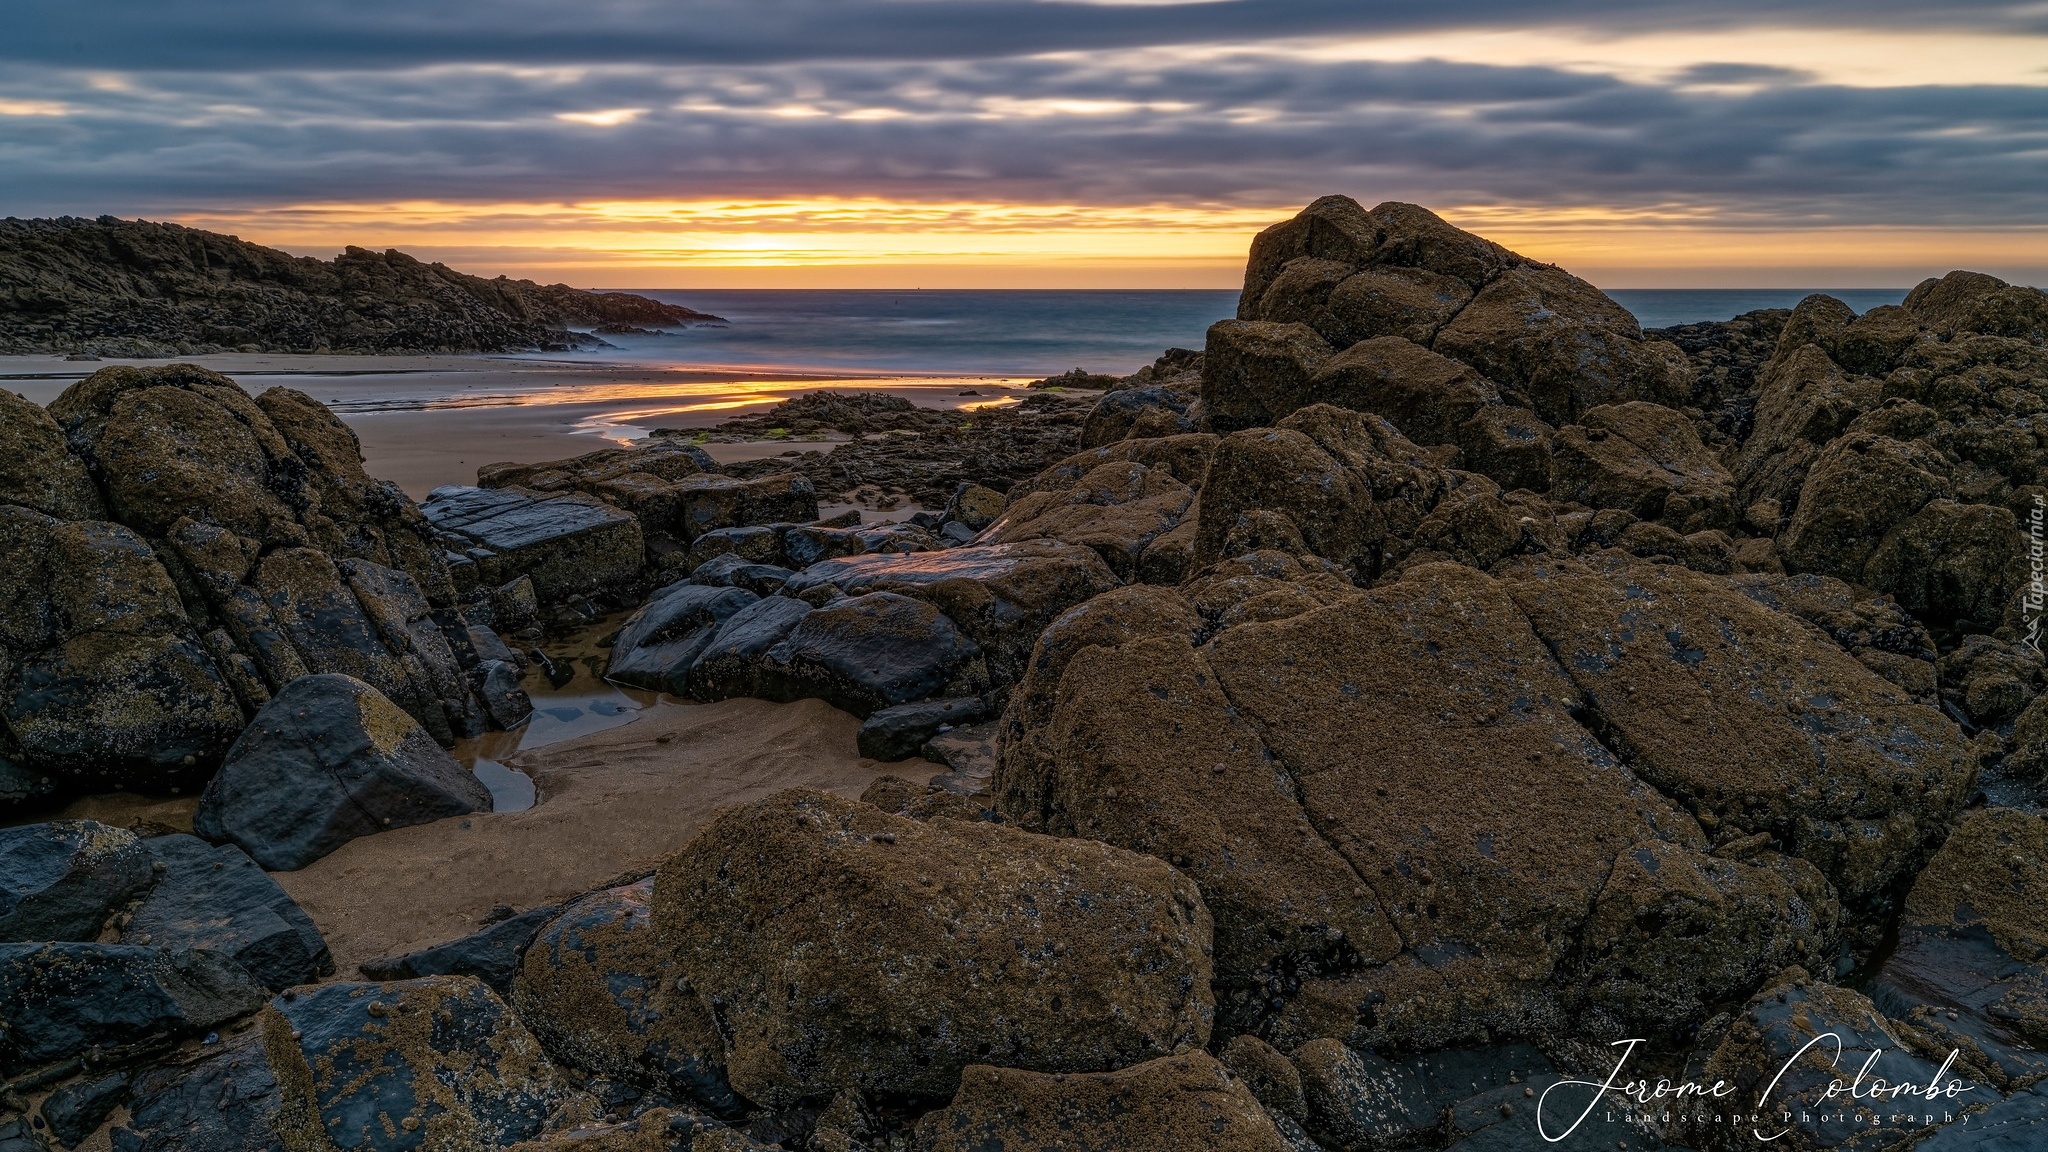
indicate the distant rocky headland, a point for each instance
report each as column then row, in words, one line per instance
column 142, row 289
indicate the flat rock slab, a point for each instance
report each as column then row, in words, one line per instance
column 567, row 542
column 217, row 898
column 59, row 1000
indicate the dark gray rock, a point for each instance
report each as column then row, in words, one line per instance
column 868, row 652
column 664, row 638
column 732, row 661
column 597, row 988
column 2018, row 1123
column 749, row 543
column 76, row 1110
column 414, row 1064
column 1360, row 1098
column 328, row 760
column 1002, row 596
column 491, row 955
column 717, row 571
column 57, row 1000
column 1756, row 1058
column 805, row 546
column 897, row 733
column 227, row 1101
column 566, row 542
column 17, row 1135
column 218, row 899
column 507, row 702
column 60, row 881
column 760, row 579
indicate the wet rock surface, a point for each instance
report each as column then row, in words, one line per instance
column 64, row 999
column 1173, row 1102
column 328, row 760
column 216, row 898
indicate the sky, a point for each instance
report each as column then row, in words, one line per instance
column 1044, row 143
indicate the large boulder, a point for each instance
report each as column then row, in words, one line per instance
column 1174, row 1103
column 876, row 650
column 36, row 470
column 415, row 1064
column 1788, row 1058
column 842, row 947
column 1254, row 372
column 600, row 992
column 102, row 681
column 1345, row 480
column 1562, row 344
column 1282, row 764
column 1974, row 303
column 63, row 880
column 328, row 760
column 1752, row 719
column 1644, row 459
column 59, row 1000
column 567, row 543
column 1858, row 488
column 181, row 441
column 216, row 898
column 736, row 660
column 1137, row 414
column 1425, row 395
column 321, row 619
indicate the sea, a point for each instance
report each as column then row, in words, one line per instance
column 1029, row 333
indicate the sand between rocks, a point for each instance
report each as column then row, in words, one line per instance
column 611, row 802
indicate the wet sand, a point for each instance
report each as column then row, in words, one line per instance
column 612, row 802
column 425, row 421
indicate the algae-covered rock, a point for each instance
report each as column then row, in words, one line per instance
column 58, row 1000
column 839, row 946
column 62, row 880
column 436, row 1063
column 1172, row 1104
column 36, row 470
column 600, row 992
column 328, row 760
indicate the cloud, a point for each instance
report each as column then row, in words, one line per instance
column 162, row 110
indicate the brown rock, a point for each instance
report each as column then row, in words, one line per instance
column 1173, row 1104
column 1645, row 459
column 36, row 471
column 1563, row 344
column 841, row 947
column 1425, row 395
column 1253, row 372
column 1412, row 303
column 1860, row 487
column 1835, row 764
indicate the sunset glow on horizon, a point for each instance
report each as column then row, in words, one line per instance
column 869, row 242
column 1047, row 143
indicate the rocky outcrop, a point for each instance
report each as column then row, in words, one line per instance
column 133, row 287
column 840, row 946
column 1336, row 277
column 567, row 544
column 217, row 899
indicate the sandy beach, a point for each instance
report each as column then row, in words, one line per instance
column 425, row 421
